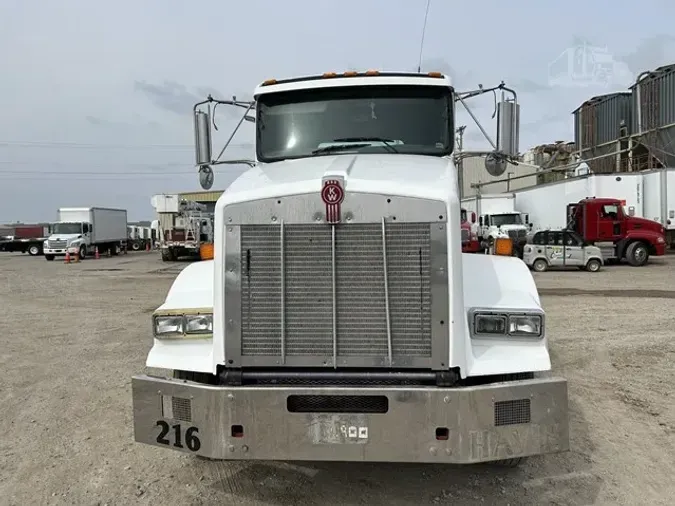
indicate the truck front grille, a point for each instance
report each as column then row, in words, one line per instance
column 323, row 292
column 57, row 244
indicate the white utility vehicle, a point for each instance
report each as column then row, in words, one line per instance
column 339, row 319
column 80, row 230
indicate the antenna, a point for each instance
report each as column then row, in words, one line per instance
column 424, row 31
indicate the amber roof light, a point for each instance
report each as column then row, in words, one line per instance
column 435, row 74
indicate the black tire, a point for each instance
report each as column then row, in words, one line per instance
column 34, row 250
column 540, row 265
column 49, row 258
column 593, row 265
column 637, row 254
column 135, row 246
column 83, row 252
column 167, row 255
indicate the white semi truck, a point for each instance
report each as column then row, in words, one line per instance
column 339, row 319
column 497, row 217
column 80, row 230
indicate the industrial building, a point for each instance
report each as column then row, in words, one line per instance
column 629, row 130
column 474, row 179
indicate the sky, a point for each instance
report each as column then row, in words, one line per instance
column 96, row 97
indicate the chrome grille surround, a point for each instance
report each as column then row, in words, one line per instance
column 300, row 292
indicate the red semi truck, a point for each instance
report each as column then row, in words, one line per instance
column 470, row 242
column 603, row 222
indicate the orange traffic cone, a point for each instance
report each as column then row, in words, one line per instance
column 96, row 254
column 67, row 260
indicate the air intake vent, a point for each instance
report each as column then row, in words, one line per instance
column 512, row 412
column 177, row 408
column 337, row 403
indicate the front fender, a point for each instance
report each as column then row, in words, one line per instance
column 502, row 283
column 191, row 291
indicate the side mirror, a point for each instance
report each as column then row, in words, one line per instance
column 202, row 138
column 250, row 119
column 486, row 220
column 473, row 217
column 480, row 221
column 530, row 226
column 527, row 218
column 508, row 127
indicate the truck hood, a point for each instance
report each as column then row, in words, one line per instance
column 506, row 228
column 63, row 237
column 412, row 175
column 635, row 223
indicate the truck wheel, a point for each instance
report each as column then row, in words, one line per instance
column 135, row 246
column 49, row 258
column 167, row 255
column 637, row 254
column 593, row 265
column 83, row 252
column 34, row 250
column 540, row 265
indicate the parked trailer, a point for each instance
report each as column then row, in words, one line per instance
column 659, row 199
column 25, row 239
column 139, row 238
column 81, row 230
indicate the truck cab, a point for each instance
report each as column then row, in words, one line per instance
column 469, row 231
column 339, row 319
column 67, row 236
column 604, row 222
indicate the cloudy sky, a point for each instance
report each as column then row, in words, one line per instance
column 96, row 97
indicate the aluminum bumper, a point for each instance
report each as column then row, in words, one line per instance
column 394, row 424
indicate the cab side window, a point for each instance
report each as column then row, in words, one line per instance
column 540, row 238
column 610, row 211
column 571, row 239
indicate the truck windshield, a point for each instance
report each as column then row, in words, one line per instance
column 66, row 228
column 355, row 119
column 505, row 219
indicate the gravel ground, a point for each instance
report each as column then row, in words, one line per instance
column 73, row 335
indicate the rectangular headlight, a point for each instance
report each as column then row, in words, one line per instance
column 525, row 325
column 168, row 325
column 489, row 324
column 198, row 324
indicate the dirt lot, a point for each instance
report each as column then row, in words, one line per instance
column 71, row 336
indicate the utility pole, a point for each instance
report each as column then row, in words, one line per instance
column 459, row 159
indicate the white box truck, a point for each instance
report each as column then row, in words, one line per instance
column 80, row 230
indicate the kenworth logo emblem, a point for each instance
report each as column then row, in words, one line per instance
column 332, row 195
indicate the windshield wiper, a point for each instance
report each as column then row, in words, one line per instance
column 338, row 147
column 386, row 142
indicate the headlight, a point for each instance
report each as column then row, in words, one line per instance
column 198, row 324
column 485, row 323
column 168, row 325
column 182, row 326
column 525, row 325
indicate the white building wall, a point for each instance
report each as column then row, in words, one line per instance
column 474, row 172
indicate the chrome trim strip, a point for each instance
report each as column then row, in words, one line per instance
column 283, row 293
column 386, row 291
column 334, row 280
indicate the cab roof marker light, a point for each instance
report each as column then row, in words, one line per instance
column 269, row 81
column 329, row 74
column 372, row 72
column 435, row 74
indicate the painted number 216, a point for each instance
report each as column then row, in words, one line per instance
column 191, row 439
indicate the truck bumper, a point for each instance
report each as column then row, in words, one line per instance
column 394, row 424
